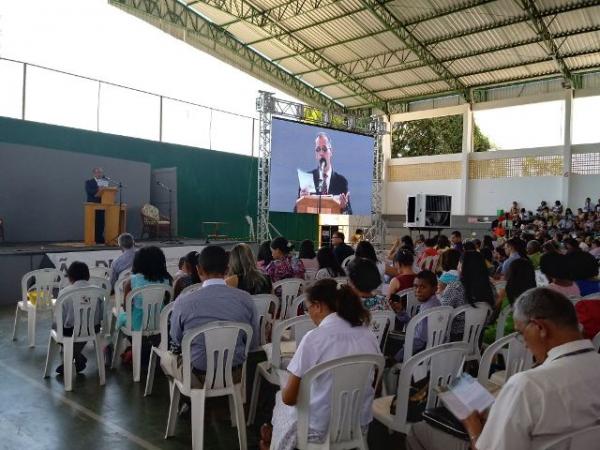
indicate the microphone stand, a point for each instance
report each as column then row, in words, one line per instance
column 170, row 240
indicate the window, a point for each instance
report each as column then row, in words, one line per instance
column 585, row 120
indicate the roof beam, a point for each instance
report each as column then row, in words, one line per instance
column 403, row 67
column 401, row 32
column 474, row 30
column 181, row 22
column 239, row 9
column 542, row 30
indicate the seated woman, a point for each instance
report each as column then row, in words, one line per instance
column 450, row 259
column 283, row 265
column 583, row 268
column 243, row 273
column 149, row 267
column 329, row 267
column 403, row 262
column 341, row 331
column 519, row 278
column 364, row 278
column 307, row 255
column 264, row 256
column 365, row 249
column 556, row 268
column 190, row 274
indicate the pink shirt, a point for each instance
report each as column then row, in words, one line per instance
column 569, row 291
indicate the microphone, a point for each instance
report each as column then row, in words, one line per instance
column 104, row 177
column 322, row 166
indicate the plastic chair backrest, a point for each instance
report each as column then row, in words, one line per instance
column 101, row 282
column 501, row 322
column 596, row 342
column 412, row 304
column 102, row 272
column 346, row 262
column 430, row 263
column 84, row 301
column 264, row 304
column 586, row 438
column 299, row 325
column 220, row 340
column 475, row 318
column 351, row 377
column 125, row 274
column 165, row 316
column 381, row 323
column 444, row 364
column 437, row 325
column 290, row 289
column 516, row 357
column 172, row 269
column 152, row 297
column 296, row 304
column 310, row 274
column 540, row 279
column 191, row 288
column 38, row 286
column 322, row 274
column 341, row 281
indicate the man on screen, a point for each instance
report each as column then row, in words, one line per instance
column 326, row 181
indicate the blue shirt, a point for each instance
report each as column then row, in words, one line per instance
column 420, row 337
column 122, row 263
column 506, row 264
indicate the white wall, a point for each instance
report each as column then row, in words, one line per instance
column 397, row 191
column 486, row 196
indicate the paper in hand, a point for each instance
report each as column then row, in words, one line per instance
column 466, row 395
column 306, row 182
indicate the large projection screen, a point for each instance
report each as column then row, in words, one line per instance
column 335, row 164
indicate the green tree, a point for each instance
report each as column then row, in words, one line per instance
column 435, row 136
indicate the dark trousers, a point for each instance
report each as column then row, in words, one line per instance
column 99, row 231
column 78, row 346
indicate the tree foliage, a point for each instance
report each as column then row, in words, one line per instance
column 434, row 136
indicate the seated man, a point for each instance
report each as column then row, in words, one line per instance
column 79, row 275
column 215, row 301
column 557, row 397
column 123, row 261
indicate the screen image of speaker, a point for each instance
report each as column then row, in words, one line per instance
column 428, row 211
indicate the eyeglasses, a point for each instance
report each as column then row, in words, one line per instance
column 520, row 336
column 321, row 149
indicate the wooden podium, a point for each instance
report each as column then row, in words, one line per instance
column 111, row 217
column 311, row 203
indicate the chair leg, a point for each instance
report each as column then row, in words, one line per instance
column 232, row 411
column 31, row 327
column 50, row 355
column 136, row 348
column 151, row 370
column 68, row 363
column 14, row 337
column 100, row 360
column 173, row 407
column 198, row 400
column 239, row 411
column 108, row 317
column 254, row 398
column 116, row 344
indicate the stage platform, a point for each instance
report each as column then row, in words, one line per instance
column 16, row 259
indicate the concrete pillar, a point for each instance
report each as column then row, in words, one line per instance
column 467, row 148
column 566, row 150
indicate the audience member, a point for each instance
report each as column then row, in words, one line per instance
column 584, row 271
column 341, row 250
column 406, row 275
column 329, row 267
column 450, row 260
column 530, row 408
column 283, row 265
column 190, row 274
column 365, row 249
column 554, row 266
column 125, row 260
column 243, row 272
column 307, row 255
column 533, row 253
column 364, row 278
column 180, row 269
column 515, row 248
column 427, row 260
column 264, row 256
column 456, row 239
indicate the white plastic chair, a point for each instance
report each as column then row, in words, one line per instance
column 124, row 274
column 412, row 304
column 592, row 296
column 310, row 274
column 586, row 438
column 444, row 363
column 37, row 294
column 293, row 309
column 84, row 302
column 172, row 269
column 220, row 339
column 100, row 282
column 290, row 289
column 346, row 262
column 351, row 377
column 191, row 288
column 163, row 347
column 437, row 324
column 114, row 304
column 475, row 318
column 269, row 369
column 540, row 279
column 152, row 302
column 266, row 307
column 596, row 341
column 381, row 323
column 323, row 274
column 341, row 281
column 501, row 322
column 102, row 272
column 516, row 359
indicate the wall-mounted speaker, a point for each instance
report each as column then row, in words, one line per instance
column 428, row 211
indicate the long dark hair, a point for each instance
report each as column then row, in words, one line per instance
column 340, row 299
column 327, row 260
column 264, row 253
column 365, row 249
column 443, row 242
column 151, row 263
column 192, row 259
column 474, row 277
column 520, row 277
column 407, row 243
column 488, row 242
column 307, row 249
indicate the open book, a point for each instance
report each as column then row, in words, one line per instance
column 464, row 396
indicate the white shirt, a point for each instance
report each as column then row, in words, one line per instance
column 213, row 282
column 560, row 396
column 333, row 338
column 101, row 182
column 67, row 310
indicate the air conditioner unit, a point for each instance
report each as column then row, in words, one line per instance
column 428, row 211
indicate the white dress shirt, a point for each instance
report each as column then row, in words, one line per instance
column 560, row 396
column 333, row 338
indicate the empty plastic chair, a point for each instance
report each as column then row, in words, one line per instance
column 290, row 289
column 516, row 359
column 475, row 318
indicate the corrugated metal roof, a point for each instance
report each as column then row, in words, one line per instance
column 371, row 52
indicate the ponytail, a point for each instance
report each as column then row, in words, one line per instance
column 341, row 300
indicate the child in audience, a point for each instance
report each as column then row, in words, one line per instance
column 364, row 278
column 329, row 267
column 450, row 260
column 406, row 275
column 554, row 266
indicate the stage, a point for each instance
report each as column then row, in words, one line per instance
column 16, row 259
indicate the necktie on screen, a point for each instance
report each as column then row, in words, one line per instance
column 324, row 190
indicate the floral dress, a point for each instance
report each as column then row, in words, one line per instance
column 287, row 267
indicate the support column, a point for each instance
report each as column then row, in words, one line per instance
column 566, row 150
column 467, row 148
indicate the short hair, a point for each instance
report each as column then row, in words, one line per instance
column 469, row 246
column 456, row 233
column 213, row 260
column 450, row 259
column 282, row 244
column 404, row 257
column 125, row 240
column 307, row 249
column 534, row 246
column 78, row 271
column 340, row 235
column 324, row 135
column 364, row 274
column 430, row 242
column 548, row 304
column 429, row 277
